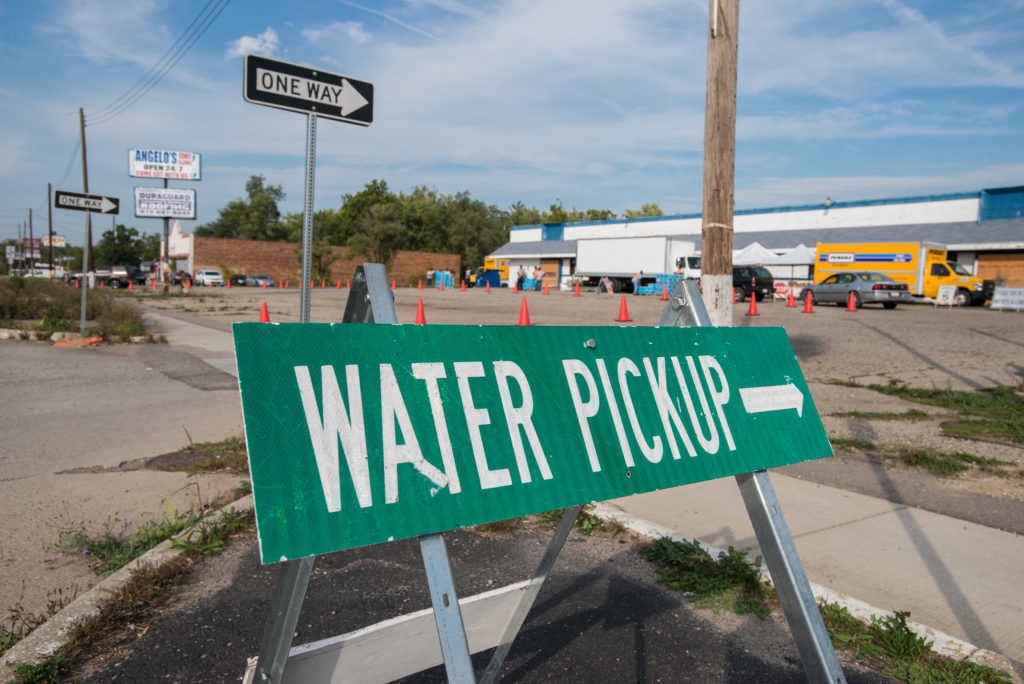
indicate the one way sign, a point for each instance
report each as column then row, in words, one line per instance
column 97, row 204
column 298, row 88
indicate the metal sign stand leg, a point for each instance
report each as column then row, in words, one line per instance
column 447, row 613
column 518, row 616
column 686, row 308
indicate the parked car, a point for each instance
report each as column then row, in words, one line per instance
column 867, row 288
column 752, row 280
column 259, row 280
column 238, row 280
column 209, row 277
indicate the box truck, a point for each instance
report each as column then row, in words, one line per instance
column 923, row 266
column 619, row 259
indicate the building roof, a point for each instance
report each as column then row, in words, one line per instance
column 962, row 235
column 541, row 248
column 994, row 234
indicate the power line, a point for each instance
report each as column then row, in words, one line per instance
column 195, row 30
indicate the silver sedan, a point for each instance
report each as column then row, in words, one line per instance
column 867, row 288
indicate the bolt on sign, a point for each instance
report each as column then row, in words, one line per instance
column 360, row 434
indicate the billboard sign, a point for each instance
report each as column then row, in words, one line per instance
column 58, row 241
column 360, row 434
column 170, row 164
column 176, row 203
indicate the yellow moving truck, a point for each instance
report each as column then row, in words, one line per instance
column 923, row 266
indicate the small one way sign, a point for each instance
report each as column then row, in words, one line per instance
column 304, row 89
column 360, row 434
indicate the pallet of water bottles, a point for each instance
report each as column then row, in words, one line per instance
column 661, row 281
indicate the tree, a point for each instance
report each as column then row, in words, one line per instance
column 128, row 249
column 379, row 233
column 340, row 227
column 648, row 209
column 255, row 218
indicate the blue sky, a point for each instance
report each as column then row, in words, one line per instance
column 599, row 104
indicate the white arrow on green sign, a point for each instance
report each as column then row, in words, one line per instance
column 359, row 434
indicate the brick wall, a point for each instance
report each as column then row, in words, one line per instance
column 280, row 260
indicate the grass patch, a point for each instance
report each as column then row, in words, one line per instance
column 226, row 455
column 210, row 535
column 729, row 582
column 947, row 463
column 985, row 429
column 586, row 522
column 20, row 622
column 117, row 544
column 851, row 443
column 58, row 308
column 995, row 413
column 912, row 414
column 888, row 645
column 148, row 589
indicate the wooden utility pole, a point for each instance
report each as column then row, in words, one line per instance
column 87, row 259
column 31, row 246
column 719, row 161
column 87, row 247
column 49, row 221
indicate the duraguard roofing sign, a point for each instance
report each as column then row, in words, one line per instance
column 170, row 164
column 359, row 434
column 165, row 203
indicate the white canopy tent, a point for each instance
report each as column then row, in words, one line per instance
column 754, row 254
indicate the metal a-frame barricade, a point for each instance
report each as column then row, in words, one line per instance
column 372, row 301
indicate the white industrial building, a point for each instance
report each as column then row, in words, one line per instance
column 983, row 231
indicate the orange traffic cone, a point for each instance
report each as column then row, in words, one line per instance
column 103, row 284
column 463, row 285
column 524, row 313
column 664, row 293
column 623, row 312
column 791, row 301
column 348, row 284
column 131, row 284
column 488, row 288
column 420, row 318
column 440, row 286
column 338, row 286
column 323, row 283
column 419, row 284
column 264, row 314
column 576, row 293
column 393, row 284
column 264, row 283
column 546, row 289
column 228, row 283
column 515, row 287
column 851, row 302
column 808, row 302
column 752, row 311
column 734, row 295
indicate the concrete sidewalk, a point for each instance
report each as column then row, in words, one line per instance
column 956, row 576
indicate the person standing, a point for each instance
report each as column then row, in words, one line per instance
column 520, row 277
column 636, row 282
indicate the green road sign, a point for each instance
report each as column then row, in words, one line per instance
column 359, row 434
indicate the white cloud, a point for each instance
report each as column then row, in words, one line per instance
column 352, row 29
column 263, row 44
